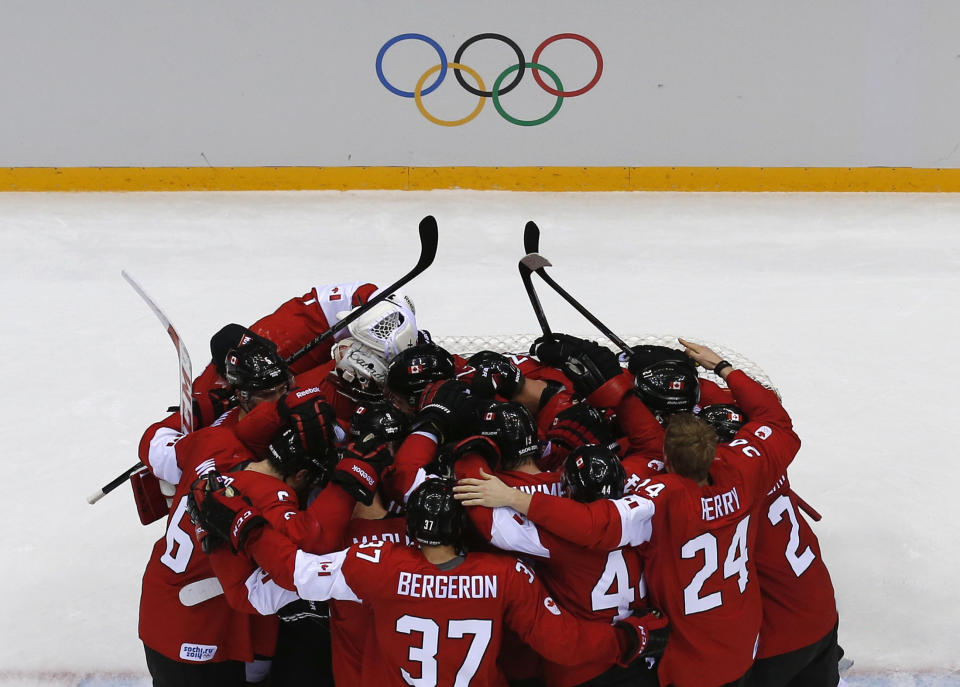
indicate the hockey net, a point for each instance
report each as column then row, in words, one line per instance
column 519, row 344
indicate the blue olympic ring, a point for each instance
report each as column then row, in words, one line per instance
column 411, row 36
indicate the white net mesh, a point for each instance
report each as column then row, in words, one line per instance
column 520, row 344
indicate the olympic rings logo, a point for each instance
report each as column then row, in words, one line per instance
column 498, row 89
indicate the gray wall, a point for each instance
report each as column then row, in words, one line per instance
column 292, row 82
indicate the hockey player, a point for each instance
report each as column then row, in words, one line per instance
column 591, row 584
column 798, row 637
column 702, row 510
column 191, row 635
column 438, row 614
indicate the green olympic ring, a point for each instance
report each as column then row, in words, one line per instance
column 533, row 66
column 498, row 89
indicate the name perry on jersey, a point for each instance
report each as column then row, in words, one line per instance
column 720, row 505
column 447, row 586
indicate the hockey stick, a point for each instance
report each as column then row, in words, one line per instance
column 531, row 237
column 428, row 251
column 186, row 388
column 114, row 483
column 537, row 263
column 531, row 243
column 186, row 367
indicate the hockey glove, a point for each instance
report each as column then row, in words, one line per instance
column 221, row 510
column 313, row 420
column 358, row 472
column 648, row 635
column 447, row 410
column 495, row 375
column 575, row 426
column 305, row 610
column 596, row 375
column 554, row 349
column 211, row 405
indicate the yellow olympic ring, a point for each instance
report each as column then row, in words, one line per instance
column 445, row 122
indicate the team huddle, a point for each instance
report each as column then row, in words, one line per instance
column 380, row 510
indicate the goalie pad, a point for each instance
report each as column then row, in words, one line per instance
column 388, row 327
column 151, row 502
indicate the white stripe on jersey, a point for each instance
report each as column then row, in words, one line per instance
column 513, row 532
column 319, row 578
column 636, row 515
column 162, row 454
column 267, row 597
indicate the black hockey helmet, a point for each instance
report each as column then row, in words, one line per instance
column 648, row 354
column 512, row 428
column 254, row 366
column 668, row 386
column 376, row 423
column 434, row 517
column 413, row 368
column 593, row 472
column 287, row 454
column 230, row 336
column 725, row 418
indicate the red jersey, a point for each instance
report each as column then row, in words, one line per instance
column 591, row 584
column 183, row 613
column 799, row 607
column 318, row 528
column 350, row 621
column 300, row 320
column 696, row 541
column 439, row 625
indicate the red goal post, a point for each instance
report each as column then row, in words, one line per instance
column 520, row 344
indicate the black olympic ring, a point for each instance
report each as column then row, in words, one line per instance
column 495, row 93
column 497, row 37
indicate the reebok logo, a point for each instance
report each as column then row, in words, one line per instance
column 363, row 475
column 306, row 392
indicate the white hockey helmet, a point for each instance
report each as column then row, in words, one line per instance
column 360, row 372
column 388, row 327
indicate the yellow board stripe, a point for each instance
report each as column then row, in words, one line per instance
column 905, row 179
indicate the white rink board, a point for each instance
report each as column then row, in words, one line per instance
column 846, row 301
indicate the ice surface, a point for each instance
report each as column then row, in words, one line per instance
column 848, row 302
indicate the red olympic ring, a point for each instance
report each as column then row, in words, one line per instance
column 580, row 91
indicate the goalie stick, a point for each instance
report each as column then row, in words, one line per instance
column 534, row 262
column 428, row 251
column 186, row 388
column 531, row 243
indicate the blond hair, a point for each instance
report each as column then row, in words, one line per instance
column 689, row 445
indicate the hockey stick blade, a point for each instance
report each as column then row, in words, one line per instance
column 113, row 484
column 534, row 262
column 525, row 267
column 183, row 357
column 537, row 259
column 531, row 237
column 429, row 238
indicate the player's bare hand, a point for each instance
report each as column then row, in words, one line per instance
column 487, row 491
column 700, row 354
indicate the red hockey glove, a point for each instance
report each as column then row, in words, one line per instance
column 222, row 511
column 495, row 375
column 447, row 410
column 647, row 635
column 573, row 427
column 211, row 405
column 358, row 472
